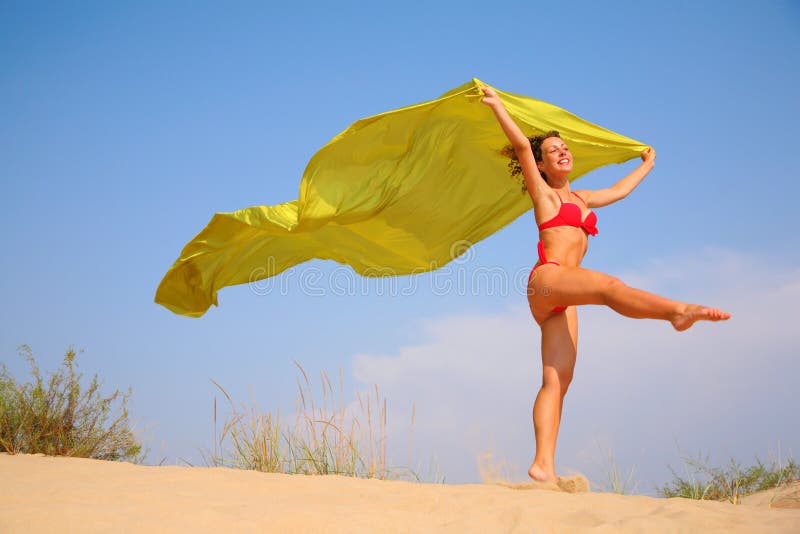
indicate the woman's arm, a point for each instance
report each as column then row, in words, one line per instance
column 521, row 144
column 621, row 189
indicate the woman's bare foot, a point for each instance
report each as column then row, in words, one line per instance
column 695, row 312
column 540, row 475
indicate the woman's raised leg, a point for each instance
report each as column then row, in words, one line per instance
column 559, row 350
column 571, row 286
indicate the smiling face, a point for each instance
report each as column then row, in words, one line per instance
column 556, row 158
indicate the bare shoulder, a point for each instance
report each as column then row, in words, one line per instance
column 583, row 194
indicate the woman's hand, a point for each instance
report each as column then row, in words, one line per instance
column 649, row 155
column 490, row 97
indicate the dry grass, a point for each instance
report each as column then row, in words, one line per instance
column 615, row 478
column 60, row 418
column 327, row 436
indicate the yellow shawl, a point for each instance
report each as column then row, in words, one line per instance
column 390, row 195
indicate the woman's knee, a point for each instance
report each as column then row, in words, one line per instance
column 611, row 285
column 557, row 379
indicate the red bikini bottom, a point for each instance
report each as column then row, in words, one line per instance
column 543, row 261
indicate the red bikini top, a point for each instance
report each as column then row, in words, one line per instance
column 570, row 215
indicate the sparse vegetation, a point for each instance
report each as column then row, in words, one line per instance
column 58, row 417
column 615, row 480
column 729, row 483
column 326, row 437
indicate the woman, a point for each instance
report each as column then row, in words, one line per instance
column 558, row 283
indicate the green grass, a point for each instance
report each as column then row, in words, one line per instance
column 729, row 483
column 57, row 416
column 326, row 436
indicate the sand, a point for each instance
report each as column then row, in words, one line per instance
column 47, row 494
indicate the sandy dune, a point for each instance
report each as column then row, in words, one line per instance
column 45, row 494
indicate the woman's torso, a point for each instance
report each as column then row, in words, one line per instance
column 567, row 224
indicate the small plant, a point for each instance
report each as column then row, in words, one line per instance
column 730, row 483
column 327, row 436
column 58, row 417
column 690, row 487
column 615, row 480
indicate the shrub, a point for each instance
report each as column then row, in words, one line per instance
column 58, row 417
column 730, row 483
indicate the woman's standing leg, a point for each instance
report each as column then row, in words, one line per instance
column 559, row 350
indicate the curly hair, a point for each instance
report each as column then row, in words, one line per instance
column 536, row 145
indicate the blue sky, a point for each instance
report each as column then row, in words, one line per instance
column 125, row 126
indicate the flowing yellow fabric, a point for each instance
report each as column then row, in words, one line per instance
column 390, row 195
